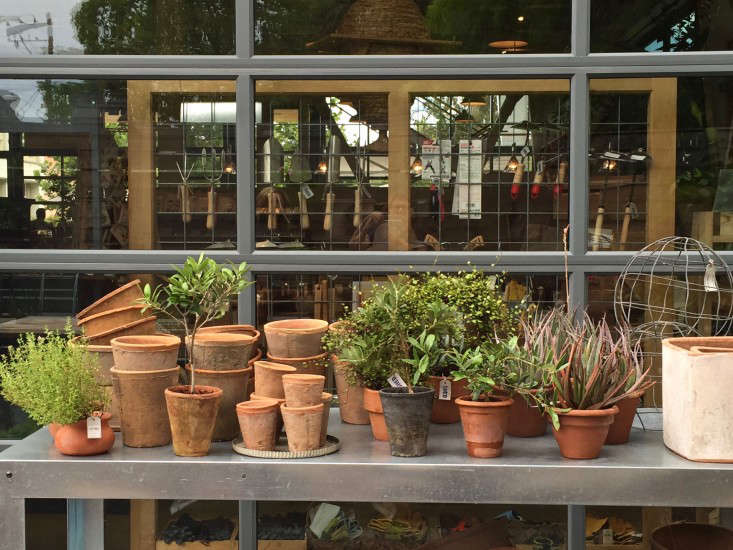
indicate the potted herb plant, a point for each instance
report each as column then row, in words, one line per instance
column 56, row 384
column 198, row 293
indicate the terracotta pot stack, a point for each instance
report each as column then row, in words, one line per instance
column 297, row 342
column 305, row 411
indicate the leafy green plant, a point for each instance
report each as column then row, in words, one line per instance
column 476, row 367
column 425, row 355
column 196, row 294
column 51, row 380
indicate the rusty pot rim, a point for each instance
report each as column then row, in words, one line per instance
column 319, row 357
column 85, row 312
column 302, row 410
column 144, row 320
column 608, row 411
column 233, row 372
column 278, row 367
column 254, row 397
column 258, row 406
column 143, row 373
column 298, row 378
column 180, row 391
column 160, row 342
column 108, row 313
column 222, row 339
column 281, row 326
column 501, row 401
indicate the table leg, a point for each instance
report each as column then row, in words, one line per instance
column 247, row 525
column 84, row 524
column 12, row 523
column 576, row 527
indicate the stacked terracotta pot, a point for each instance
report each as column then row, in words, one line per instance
column 351, row 396
column 297, row 342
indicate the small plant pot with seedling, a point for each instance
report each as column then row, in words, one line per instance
column 350, row 390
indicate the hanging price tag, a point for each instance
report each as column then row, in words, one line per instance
column 607, row 536
column 94, row 427
column 396, row 381
column 444, row 391
column 307, row 191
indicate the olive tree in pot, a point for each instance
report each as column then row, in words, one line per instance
column 196, row 294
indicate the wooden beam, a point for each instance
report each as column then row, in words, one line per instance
column 398, row 216
column 140, row 166
column 143, row 524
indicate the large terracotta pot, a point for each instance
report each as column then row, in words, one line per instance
column 249, row 330
column 484, row 424
column 295, row 337
column 373, row 405
column 303, row 390
column 146, row 325
column 233, row 384
column 691, row 536
column 525, row 419
column 222, row 350
column 304, row 365
column 100, row 323
column 192, row 417
column 71, row 439
column 258, row 422
column 445, row 411
column 104, row 360
column 143, row 413
column 146, row 352
column 351, row 397
column 619, row 431
column 582, row 432
column 126, row 295
column 268, row 379
column 303, row 426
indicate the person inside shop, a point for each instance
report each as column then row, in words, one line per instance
column 41, row 230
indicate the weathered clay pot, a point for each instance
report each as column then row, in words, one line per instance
column 53, row 427
column 351, row 397
column 303, row 426
column 126, row 295
column 268, row 379
column 100, row 323
column 407, row 416
column 445, row 411
column 145, row 325
column 147, row 352
column 326, row 400
column 192, row 416
column 689, row 536
column 233, row 384
column 295, row 337
column 373, row 405
column 582, row 432
column 620, row 429
column 258, row 422
column 249, row 330
column 103, row 358
column 303, row 390
column 113, row 407
column 255, row 397
column 71, row 439
column 143, row 413
column 484, row 424
column 304, row 365
column 525, row 420
column 222, row 350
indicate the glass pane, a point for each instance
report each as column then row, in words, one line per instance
column 399, row 27
column 651, row 26
column 162, row 27
column 116, row 164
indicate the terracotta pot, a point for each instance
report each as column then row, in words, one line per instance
column 126, row 295
column 407, row 416
column 71, row 439
column 258, row 422
column 303, row 365
column 620, row 429
column 373, row 405
column 251, row 363
column 295, row 337
column 192, row 416
column 53, row 427
column 233, row 384
column 326, row 400
column 136, row 328
column 146, row 352
column 351, row 397
column 525, row 420
column 249, row 330
column 445, row 411
column 222, row 350
column 268, row 379
column 100, row 323
column 113, row 407
column 689, row 536
column 255, row 397
column 143, row 413
column 484, row 424
column 582, row 432
column 103, row 358
column 303, row 426
column 303, row 390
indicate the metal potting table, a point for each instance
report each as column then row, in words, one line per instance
column 531, row 471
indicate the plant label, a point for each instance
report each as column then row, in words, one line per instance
column 607, row 536
column 307, row 192
column 444, row 392
column 396, row 381
column 94, row 427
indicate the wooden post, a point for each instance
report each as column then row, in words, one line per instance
column 140, row 168
column 143, row 524
column 399, row 170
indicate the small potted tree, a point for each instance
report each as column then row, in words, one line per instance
column 198, row 293
column 56, row 384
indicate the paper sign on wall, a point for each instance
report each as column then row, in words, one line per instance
column 467, row 196
column 436, row 158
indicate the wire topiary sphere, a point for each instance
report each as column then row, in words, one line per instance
column 676, row 286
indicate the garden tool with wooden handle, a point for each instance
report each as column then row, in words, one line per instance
column 598, row 230
column 328, row 218
column 538, row 178
column 305, row 222
column 562, row 172
column 357, row 206
column 628, row 211
column 211, row 216
column 516, row 183
column 186, row 196
column 271, row 216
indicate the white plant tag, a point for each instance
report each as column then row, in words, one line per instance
column 307, row 192
column 444, row 392
column 396, row 381
column 94, row 427
column 607, row 536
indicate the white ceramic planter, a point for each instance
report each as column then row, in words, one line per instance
column 697, row 376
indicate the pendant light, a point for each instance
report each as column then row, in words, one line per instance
column 473, row 100
column 513, row 163
column 464, row 116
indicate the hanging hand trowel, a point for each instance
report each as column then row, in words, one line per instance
column 272, row 173
column 335, row 150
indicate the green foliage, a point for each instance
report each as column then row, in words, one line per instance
column 51, row 380
column 477, row 367
column 425, row 355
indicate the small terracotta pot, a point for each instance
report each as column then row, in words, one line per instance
column 233, row 384
column 295, row 337
column 143, row 413
column 103, row 357
column 303, row 390
column 248, row 330
column 304, row 365
column 525, row 420
column 351, row 397
column 620, row 429
column 326, row 400
column 582, row 432
column 268, row 379
column 126, row 295
column 145, row 325
column 303, row 426
column 255, row 397
column 484, row 424
column 222, row 350
column 373, row 405
column 192, row 416
column 445, row 411
column 71, row 439
column 146, row 352
column 100, row 323
column 258, row 421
